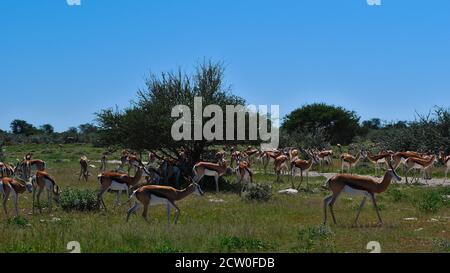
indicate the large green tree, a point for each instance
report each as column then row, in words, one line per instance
column 337, row 124
column 21, row 127
column 147, row 123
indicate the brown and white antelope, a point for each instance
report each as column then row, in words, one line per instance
column 326, row 157
column 203, row 169
column 10, row 186
column 103, row 162
column 378, row 160
column 152, row 195
column 6, row 170
column 349, row 161
column 43, row 181
column 357, row 185
column 267, row 157
column 26, row 167
column 281, row 166
column 244, row 175
column 421, row 164
column 401, row 157
column 446, row 161
column 84, row 169
column 119, row 182
column 304, row 166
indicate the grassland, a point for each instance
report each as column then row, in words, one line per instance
column 417, row 218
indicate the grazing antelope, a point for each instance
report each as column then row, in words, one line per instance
column 84, row 169
column 43, row 181
column 244, row 175
column 280, row 166
column 303, row 166
column 10, row 186
column 152, row 195
column 359, row 185
column 378, row 160
column 119, row 182
column 446, row 161
column 421, row 164
column 349, row 161
column 203, row 169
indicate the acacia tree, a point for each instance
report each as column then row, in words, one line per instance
column 147, row 123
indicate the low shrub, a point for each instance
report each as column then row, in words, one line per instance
column 257, row 192
column 79, row 200
column 431, row 201
column 233, row 243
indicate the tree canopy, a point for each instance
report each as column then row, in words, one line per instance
column 147, row 124
column 337, row 124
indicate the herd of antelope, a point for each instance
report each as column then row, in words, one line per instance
column 162, row 176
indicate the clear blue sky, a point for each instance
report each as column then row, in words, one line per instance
column 60, row 64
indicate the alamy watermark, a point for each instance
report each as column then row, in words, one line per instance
column 258, row 125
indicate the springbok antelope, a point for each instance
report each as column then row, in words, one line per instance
column 6, row 170
column 357, row 185
column 267, row 157
column 417, row 163
column 26, row 166
column 244, row 175
column 401, row 157
column 119, row 182
column 446, row 161
column 251, row 152
column 152, row 195
column 84, row 169
column 42, row 180
column 104, row 162
column 303, row 166
column 10, row 186
column 325, row 157
column 378, row 160
column 348, row 161
column 280, row 166
column 203, row 169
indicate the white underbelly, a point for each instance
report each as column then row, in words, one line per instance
column 115, row 186
column 211, row 173
column 156, row 200
column 352, row 191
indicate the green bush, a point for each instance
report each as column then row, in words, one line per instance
column 79, row 200
column 258, row 192
column 431, row 201
column 315, row 237
column 18, row 221
column 233, row 243
column 396, row 194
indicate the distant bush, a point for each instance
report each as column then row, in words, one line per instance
column 79, row 200
column 258, row 192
